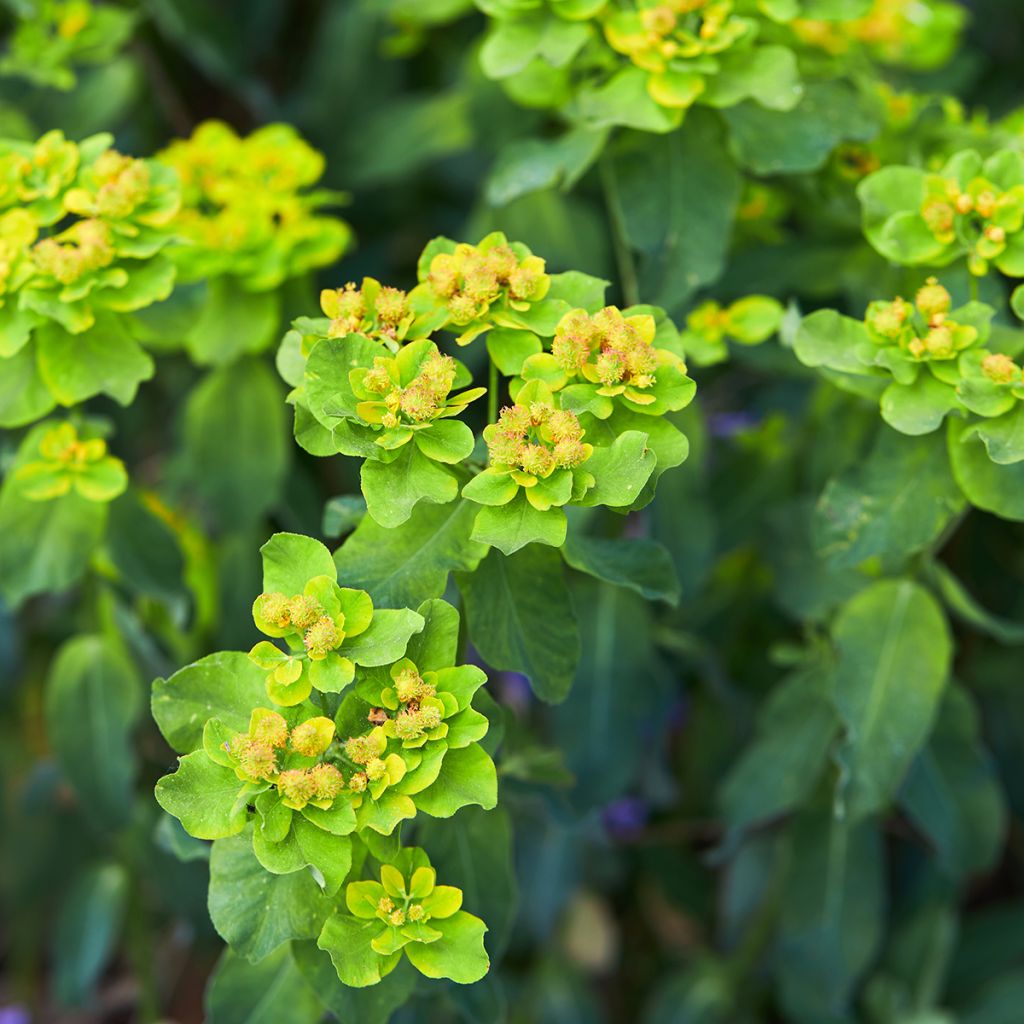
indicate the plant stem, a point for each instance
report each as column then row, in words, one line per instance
column 492, row 393
column 974, row 286
column 620, row 242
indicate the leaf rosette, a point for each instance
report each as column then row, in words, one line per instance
column 405, row 913
column 972, row 207
column 919, row 359
column 468, row 289
column 611, row 357
column 248, row 210
column 67, row 460
column 327, row 629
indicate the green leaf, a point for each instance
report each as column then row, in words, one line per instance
column 986, row 484
column 678, row 196
column 894, row 653
column 517, row 524
column 87, row 931
column 891, row 199
column 448, row 441
column 105, row 360
column 624, row 100
column 254, row 911
column 467, row 777
column 767, row 74
column 373, row 1005
column 617, row 642
column 144, row 549
column 891, row 505
column 918, row 408
column 832, row 906
column 952, row 791
column 226, row 685
column 347, row 940
column 265, row 993
column 24, row 397
column 531, row 165
column 964, row 606
column 826, row 338
column 458, row 955
column 291, row 560
column 330, row 854
column 640, row 564
column 1003, row 436
column 233, row 322
column 402, row 566
column 46, row 545
column 236, row 435
column 511, row 45
column 393, row 489
column 801, row 139
column 328, row 390
column 783, row 764
column 620, row 471
column 474, row 837
column 510, row 348
column 386, row 638
column 203, row 796
column 437, row 645
column 520, row 616
column 93, row 700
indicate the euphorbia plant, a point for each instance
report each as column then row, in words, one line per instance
column 753, row 722
column 373, row 723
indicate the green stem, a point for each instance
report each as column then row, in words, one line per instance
column 141, row 953
column 974, row 286
column 620, row 240
column 492, row 393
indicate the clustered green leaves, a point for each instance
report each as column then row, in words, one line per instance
column 52, row 38
column 644, row 63
column 82, row 231
column 586, row 384
column 372, row 723
column 319, row 762
column 926, row 361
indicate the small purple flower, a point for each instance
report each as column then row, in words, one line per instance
column 514, row 690
column 625, row 817
column 729, row 424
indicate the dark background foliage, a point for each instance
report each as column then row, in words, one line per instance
column 635, row 901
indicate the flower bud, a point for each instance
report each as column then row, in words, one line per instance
column 357, row 782
column 256, row 759
column 328, row 782
column 939, row 342
column 297, row 786
column 376, row 769
column 416, row 913
column 321, row 638
column 392, row 305
column 313, row 737
column 360, row 749
column 933, row 299
column 502, row 262
column 463, row 309
column 409, row 685
column 537, row 460
column 443, row 275
column 268, row 726
column 304, row 611
column 1000, row 369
